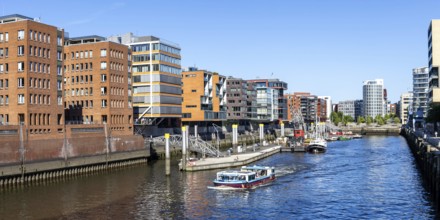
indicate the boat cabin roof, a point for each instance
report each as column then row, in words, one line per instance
column 235, row 173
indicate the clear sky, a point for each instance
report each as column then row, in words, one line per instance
column 326, row 47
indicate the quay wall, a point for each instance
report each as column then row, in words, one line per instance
column 374, row 130
column 427, row 155
column 77, row 150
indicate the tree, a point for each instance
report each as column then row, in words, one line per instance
column 396, row 120
column 380, row 121
column 361, row 119
column 387, row 117
column 369, row 120
column 335, row 118
column 377, row 118
column 433, row 113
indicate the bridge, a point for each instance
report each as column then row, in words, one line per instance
column 195, row 144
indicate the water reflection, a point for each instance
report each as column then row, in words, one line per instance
column 375, row 177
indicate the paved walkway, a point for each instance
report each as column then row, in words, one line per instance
column 431, row 139
column 231, row 161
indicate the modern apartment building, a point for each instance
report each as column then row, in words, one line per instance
column 406, row 100
column 392, row 109
column 328, row 104
column 31, row 74
column 96, row 83
column 238, row 99
column 420, row 89
column 434, row 61
column 312, row 108
column 352, row 108
column 271, row 104
column 373, row 98
column 204, row 97
column 157, row 79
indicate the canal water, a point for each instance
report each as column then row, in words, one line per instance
column 371, row 178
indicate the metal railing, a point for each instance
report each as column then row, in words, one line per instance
column 195, row 144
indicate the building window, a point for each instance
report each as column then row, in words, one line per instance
column 20, row 82
column 103, row 77
column 103, row 90
column 59, row 85
column 103, row 65
column 6, row 36
column 20, row 50
column 103, row 103
column 20, row 66
column 20, row 98
column 21, row 34
column 103, row 52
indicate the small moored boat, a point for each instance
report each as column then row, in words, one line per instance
column 318, row 145
column 247, row 177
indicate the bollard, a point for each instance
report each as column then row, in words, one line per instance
column 167, row 154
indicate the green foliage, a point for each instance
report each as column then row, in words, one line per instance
column 396, row 120
column 433, row 113
column 347, row 119
column 380, row 121
column 378, row 118
column 340, row 114
column 369, row 120
column 335, row 118
column 360, row 120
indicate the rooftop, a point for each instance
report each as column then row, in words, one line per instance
column 130, row 38
column 84, row 39
column 14, row 17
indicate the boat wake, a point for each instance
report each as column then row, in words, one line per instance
column 226, row 188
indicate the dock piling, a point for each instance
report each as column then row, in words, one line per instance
column 183, row 148
column 167, row 154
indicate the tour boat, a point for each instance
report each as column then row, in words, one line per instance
column 247, row 177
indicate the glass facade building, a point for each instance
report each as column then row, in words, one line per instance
column 420, row 89
column 156, row 75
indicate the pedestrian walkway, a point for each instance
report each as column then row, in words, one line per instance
column 433, row 140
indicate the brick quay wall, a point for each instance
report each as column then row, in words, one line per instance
column 27, row 157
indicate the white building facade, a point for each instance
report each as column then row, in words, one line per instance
column 373, row 97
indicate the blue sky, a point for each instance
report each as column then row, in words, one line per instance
column 326, row 47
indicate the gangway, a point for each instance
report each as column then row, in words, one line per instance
column 195, row 144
